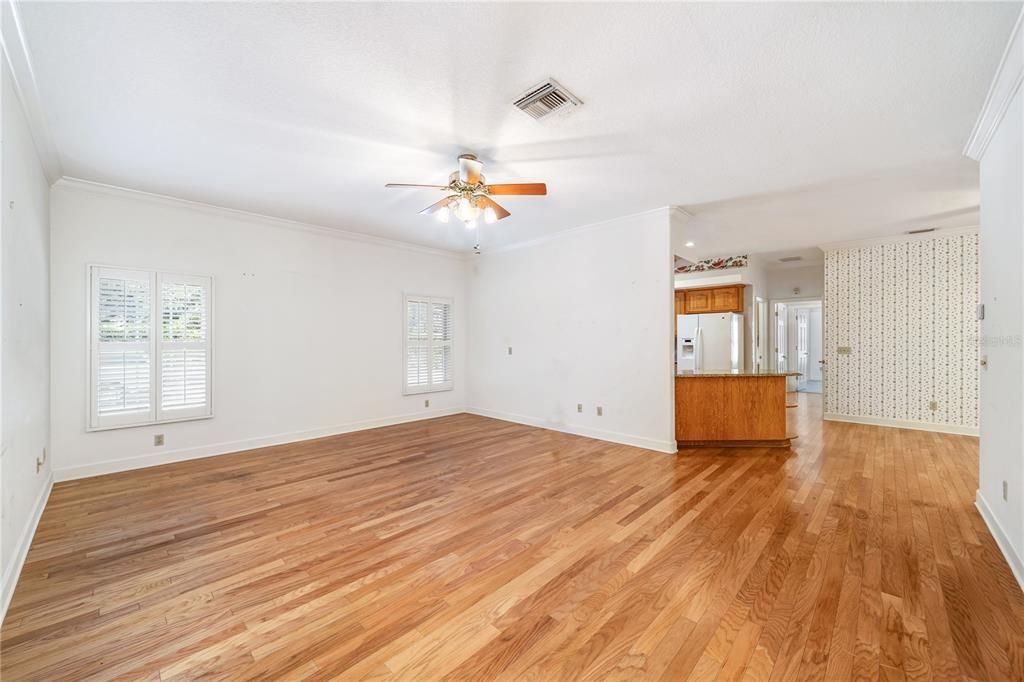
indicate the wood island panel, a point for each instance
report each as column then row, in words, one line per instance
column 713, row 409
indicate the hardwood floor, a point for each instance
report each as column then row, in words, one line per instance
column 465, row 548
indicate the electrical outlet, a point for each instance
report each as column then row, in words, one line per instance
column 600, row 411
column 933, row 406
column 510, row 350
column 158, row 439
column 1006, row 490
column 426, row 403
column 579, row 407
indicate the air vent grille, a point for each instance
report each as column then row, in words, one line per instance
column 545, row 99
column 922, row 231
column 790, row 259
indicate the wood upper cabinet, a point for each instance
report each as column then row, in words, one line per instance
column 723, row 299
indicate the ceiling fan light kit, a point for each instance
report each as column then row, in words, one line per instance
column 469, row 195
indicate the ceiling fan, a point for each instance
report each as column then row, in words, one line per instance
column 469, row 197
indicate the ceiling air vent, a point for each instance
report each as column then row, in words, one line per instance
column 545, row 99
column 790, row 259
column 921, row 231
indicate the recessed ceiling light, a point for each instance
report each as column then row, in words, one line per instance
column 690, row 244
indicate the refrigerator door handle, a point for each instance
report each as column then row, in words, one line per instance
column 698, row 350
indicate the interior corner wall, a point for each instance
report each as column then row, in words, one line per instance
column 1002, row 380
column 906, row 311
column 307, row 325
column 25, row 337
column 582, row 318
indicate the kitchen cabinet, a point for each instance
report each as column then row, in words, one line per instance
column 721, row 299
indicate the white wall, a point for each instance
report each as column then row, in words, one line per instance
column 810, row 280
column 906, row 309
column 998, row 142
column 588, row 315
column 307, row 325
column 24, row 345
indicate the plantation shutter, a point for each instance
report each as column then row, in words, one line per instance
column 150, row 347
column 428, row 344
column 184, row 347
column 121, row 348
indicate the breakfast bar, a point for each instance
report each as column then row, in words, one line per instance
column 731, row 408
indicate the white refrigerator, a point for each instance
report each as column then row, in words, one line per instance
column 710, row 342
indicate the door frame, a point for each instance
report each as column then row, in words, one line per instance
column 797, row 300
column 791, row 309
column 759, row 343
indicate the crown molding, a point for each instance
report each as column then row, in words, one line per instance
column 940, row 233
column 78, row 184
column 1005, row 86
column 23, row 77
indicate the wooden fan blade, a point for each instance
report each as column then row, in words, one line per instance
column 487, row 202
column 436, row 206
column 399, row 184
column 535, row 188
column 469, row 170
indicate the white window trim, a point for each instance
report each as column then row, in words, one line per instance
column 155, row 341
column 429, row 388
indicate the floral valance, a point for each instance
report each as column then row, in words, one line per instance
column 715, row 264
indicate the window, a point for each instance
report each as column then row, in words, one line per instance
column 428, row 344
column 150, row 348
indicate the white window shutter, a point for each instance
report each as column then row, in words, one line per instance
column 185, row 347
column 121, row 348
column 151, row 347
column 428, row 344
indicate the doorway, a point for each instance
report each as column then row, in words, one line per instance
column 797, row 343
column 804, row 341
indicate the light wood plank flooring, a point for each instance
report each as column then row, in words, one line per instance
column 465, row 548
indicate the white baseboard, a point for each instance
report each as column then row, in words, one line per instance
column 900, row 424
column 113, row 466
column 13, row 570
column 1012, row 558
column 610, row 436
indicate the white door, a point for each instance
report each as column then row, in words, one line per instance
column 716, row 341
column 780, row 337
column 814, row 345
column 801, row 345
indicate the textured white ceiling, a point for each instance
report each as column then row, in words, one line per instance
column 781, row 125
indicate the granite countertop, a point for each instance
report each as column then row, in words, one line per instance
column 691, row 374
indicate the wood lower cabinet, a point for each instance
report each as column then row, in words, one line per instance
column 731, row 411
column 723, row 299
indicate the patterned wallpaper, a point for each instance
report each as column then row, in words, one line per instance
column 907, row 312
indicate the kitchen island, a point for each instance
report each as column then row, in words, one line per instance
column 731, row 409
